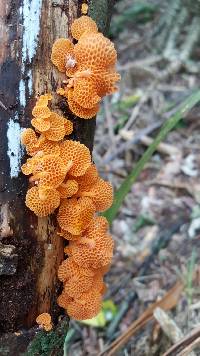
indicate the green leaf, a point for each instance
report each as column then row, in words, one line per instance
column 106, row 314
column 125, row 187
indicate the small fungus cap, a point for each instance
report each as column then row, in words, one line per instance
column 43, row 319
column 88, row 179
column 95, row 51
column 78, row 154
column 28, row 137
column 69, row 269
column 78, row 110
column 75, row 215
column 86, row 306
column 50, row 171
column 42, row 207
column 101, row 194
column 85, row 93
column 81, row 25
column 68, row 188
column 95, row 248
column 62, row 55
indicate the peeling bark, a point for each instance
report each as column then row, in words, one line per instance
column 28, row 29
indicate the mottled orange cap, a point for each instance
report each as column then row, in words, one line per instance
column 68, row 188
column 42, row 207
column 69, row 269
column 64, row 299
column 28, row 137
column 95, row 51
column 85, row 93
column 78, row 110
column 63, row 56
column 81, row 25
column 88, row 179
column 50, row 171
column 101, row 194
column 95, row 248
column 76, row 153
column 75, row 215
column 44, row 318
column 41, row 110
column 86, row 306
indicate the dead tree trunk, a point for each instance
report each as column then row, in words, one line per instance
column 28, row 266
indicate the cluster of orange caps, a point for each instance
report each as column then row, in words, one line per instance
column 63, row 176
column 89, row 66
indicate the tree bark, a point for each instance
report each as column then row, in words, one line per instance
column 28, row 29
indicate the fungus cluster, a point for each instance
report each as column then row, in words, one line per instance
column 62, row 176
column 89, row 66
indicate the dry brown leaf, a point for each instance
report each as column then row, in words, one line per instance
column 168, row 302
column 185, row 345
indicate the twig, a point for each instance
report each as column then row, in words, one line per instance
column 136, row 139
column 169, row 326
column 162, row 147
column 187, row 343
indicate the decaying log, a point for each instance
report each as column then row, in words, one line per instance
column 28, row 29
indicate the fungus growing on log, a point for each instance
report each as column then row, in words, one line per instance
column 90, row 66
column 62, row 174
column 44, row 321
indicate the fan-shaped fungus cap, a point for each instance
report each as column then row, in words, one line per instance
column 69, row 269
column 105, row 81
column 64, row 299
column 41, row 110
column 46, row 147
column 78, row 110
column 78, row 154
column 63, row 56
column 95, row 248
column 50, row 171
column 54, row 128
column 85, row 93
column 28, row 167
column 44, row 320
column 42, row 207
column 77, row 280
column 81, row 25
column 28, row 137
column 86, row 306
column 66, row 235
column 81, row 283
column 101, row 194
column 59, row 127
column 88, row 179
column 68, row 188
column 75, row 214
column 41, row 125
column 95, row 51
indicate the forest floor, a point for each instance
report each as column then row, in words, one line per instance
column 157, row 230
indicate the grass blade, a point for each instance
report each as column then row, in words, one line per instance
column 125, row 187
